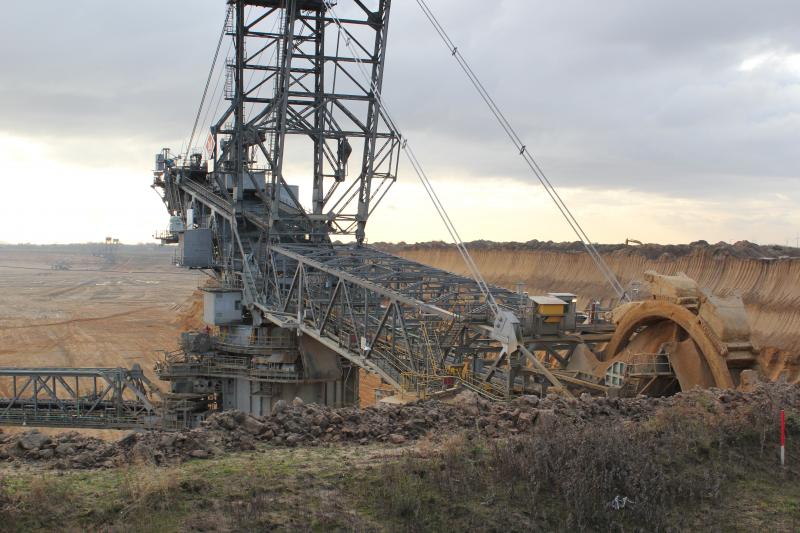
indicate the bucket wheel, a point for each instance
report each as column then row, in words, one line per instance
column 678, row 339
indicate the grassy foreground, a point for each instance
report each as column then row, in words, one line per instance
column 370, row 489
column 693, row 468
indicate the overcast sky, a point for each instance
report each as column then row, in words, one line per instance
column 666, row 121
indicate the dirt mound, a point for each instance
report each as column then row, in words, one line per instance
column 190, row 313
column 369, row 387
column 313, row 425
column 780, row 364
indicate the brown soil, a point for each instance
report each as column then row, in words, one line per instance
column 368, row 384
column 93, row 315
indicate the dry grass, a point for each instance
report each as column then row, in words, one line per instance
column 568, row 476
column 689, row 468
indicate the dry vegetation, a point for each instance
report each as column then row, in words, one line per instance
column 658, row 477
column 692, row 465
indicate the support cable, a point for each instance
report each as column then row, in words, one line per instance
column 208, row 81
column 523, row 151
column 215, row 101
column 418, row 169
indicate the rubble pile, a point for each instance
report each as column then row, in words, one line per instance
column 68, row 450
column 297, row 423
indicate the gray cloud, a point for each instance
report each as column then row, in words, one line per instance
column 100, row 69
column 643, row 95
column 618, row 94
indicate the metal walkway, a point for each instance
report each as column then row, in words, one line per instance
column 104, row 398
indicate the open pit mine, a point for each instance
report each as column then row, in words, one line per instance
column 273, row 370
column 290, row 312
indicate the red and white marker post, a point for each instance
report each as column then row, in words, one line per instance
column 783, row 438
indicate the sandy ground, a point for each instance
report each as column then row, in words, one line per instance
column 99, row 315
column 94, row 315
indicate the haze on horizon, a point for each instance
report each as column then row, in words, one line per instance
column 665, row 121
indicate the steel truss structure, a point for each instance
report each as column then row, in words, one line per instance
column 402, row 320
column 293, row 85
column 292, row 312
column 409, row 323
column 115, row 398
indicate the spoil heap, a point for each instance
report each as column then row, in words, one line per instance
column 300, row 424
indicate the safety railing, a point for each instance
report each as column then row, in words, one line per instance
column 109, row 418
column 225, row 366
column 650, row 365
column 223, row 339
column 166, row 236
column 425, row 385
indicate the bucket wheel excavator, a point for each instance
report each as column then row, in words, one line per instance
column 679, row 338
column 291, row 311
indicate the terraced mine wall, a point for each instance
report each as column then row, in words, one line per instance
column 768, row 279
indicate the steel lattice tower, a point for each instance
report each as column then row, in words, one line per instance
column 294, row 313
column 296, row 88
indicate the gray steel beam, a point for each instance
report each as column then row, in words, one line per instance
column 46, row 399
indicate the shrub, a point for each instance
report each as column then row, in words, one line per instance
column 569, row 474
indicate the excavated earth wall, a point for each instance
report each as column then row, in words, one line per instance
column 768, row 279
